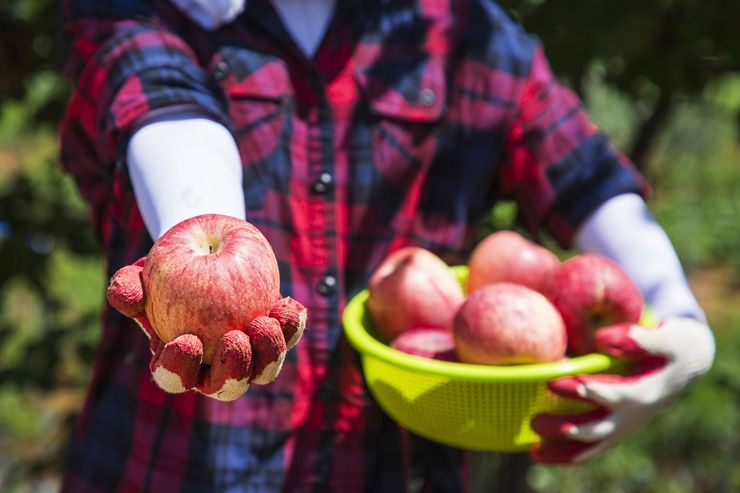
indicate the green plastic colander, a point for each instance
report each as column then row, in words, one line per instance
column 476, row 407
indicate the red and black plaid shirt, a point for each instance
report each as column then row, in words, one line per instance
column 410, row 122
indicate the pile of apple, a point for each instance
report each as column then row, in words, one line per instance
column 520, row 303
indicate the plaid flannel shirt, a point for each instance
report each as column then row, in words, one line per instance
column 410, row 122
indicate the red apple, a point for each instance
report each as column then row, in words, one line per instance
column 207, row 297
column 507, row 256
column 208, row 275
column 427, row 342
column 413, row 287
column 505, row 323
column 591, row 291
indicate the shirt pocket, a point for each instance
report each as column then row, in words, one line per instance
column 411, row 89
column 404, row 102
column 259, row 97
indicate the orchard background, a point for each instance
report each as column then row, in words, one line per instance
column 661, row 76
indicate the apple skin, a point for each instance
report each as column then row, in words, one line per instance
column 427, row 342
column 591, row 291
column 505, row 323
column 207, row 276
column 507, row 256
column 412, row 287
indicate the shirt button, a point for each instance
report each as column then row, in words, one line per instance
column 427, row 97
column 220, row 70
column 323, row 183
column 327, row 285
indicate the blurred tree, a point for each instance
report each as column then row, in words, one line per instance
column 657, row 52
column 51, row 273
column 30, row 45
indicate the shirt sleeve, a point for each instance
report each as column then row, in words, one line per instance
column 560, row 167
column 124, row 72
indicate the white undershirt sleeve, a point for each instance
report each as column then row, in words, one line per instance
column 624, row 230
column 183, row 166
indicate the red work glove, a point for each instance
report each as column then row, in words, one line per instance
column 177, row 366
column 665, row 360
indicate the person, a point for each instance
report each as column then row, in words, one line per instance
column 343, row 131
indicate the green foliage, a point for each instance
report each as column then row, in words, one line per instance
column 657, row 75
column 644, row 46
column 51, row 291
column 695, row 162
column 29, row 47
column 654, row 52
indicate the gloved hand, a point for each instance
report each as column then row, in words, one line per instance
column 253, row 354
column 210, row 14
column 666, row 359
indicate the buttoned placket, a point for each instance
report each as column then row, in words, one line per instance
column 321, row 168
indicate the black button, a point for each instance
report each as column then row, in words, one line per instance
column 220, row 70
column 327, row 285
column 323, row 183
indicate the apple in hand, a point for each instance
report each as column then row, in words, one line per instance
column 207, row 295
column 412, row 287
column 507, row 256
column 505, row 323
column 591, row 291
column 207, row 276
column 427, row 342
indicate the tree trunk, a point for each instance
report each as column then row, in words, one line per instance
column 650, row 128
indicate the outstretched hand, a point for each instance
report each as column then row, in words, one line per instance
column 666, row 359
column 244, row 355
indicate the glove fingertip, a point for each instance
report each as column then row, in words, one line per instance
column 268, row 348
column 231, row 390
column 617, row 340
column 567, row 426
column 550, row 426
column 228, row 376
column 269, row 372
column 551, row 452
column 125, row 291
column 571, row 387
column 176, row 367
column 291, row 315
